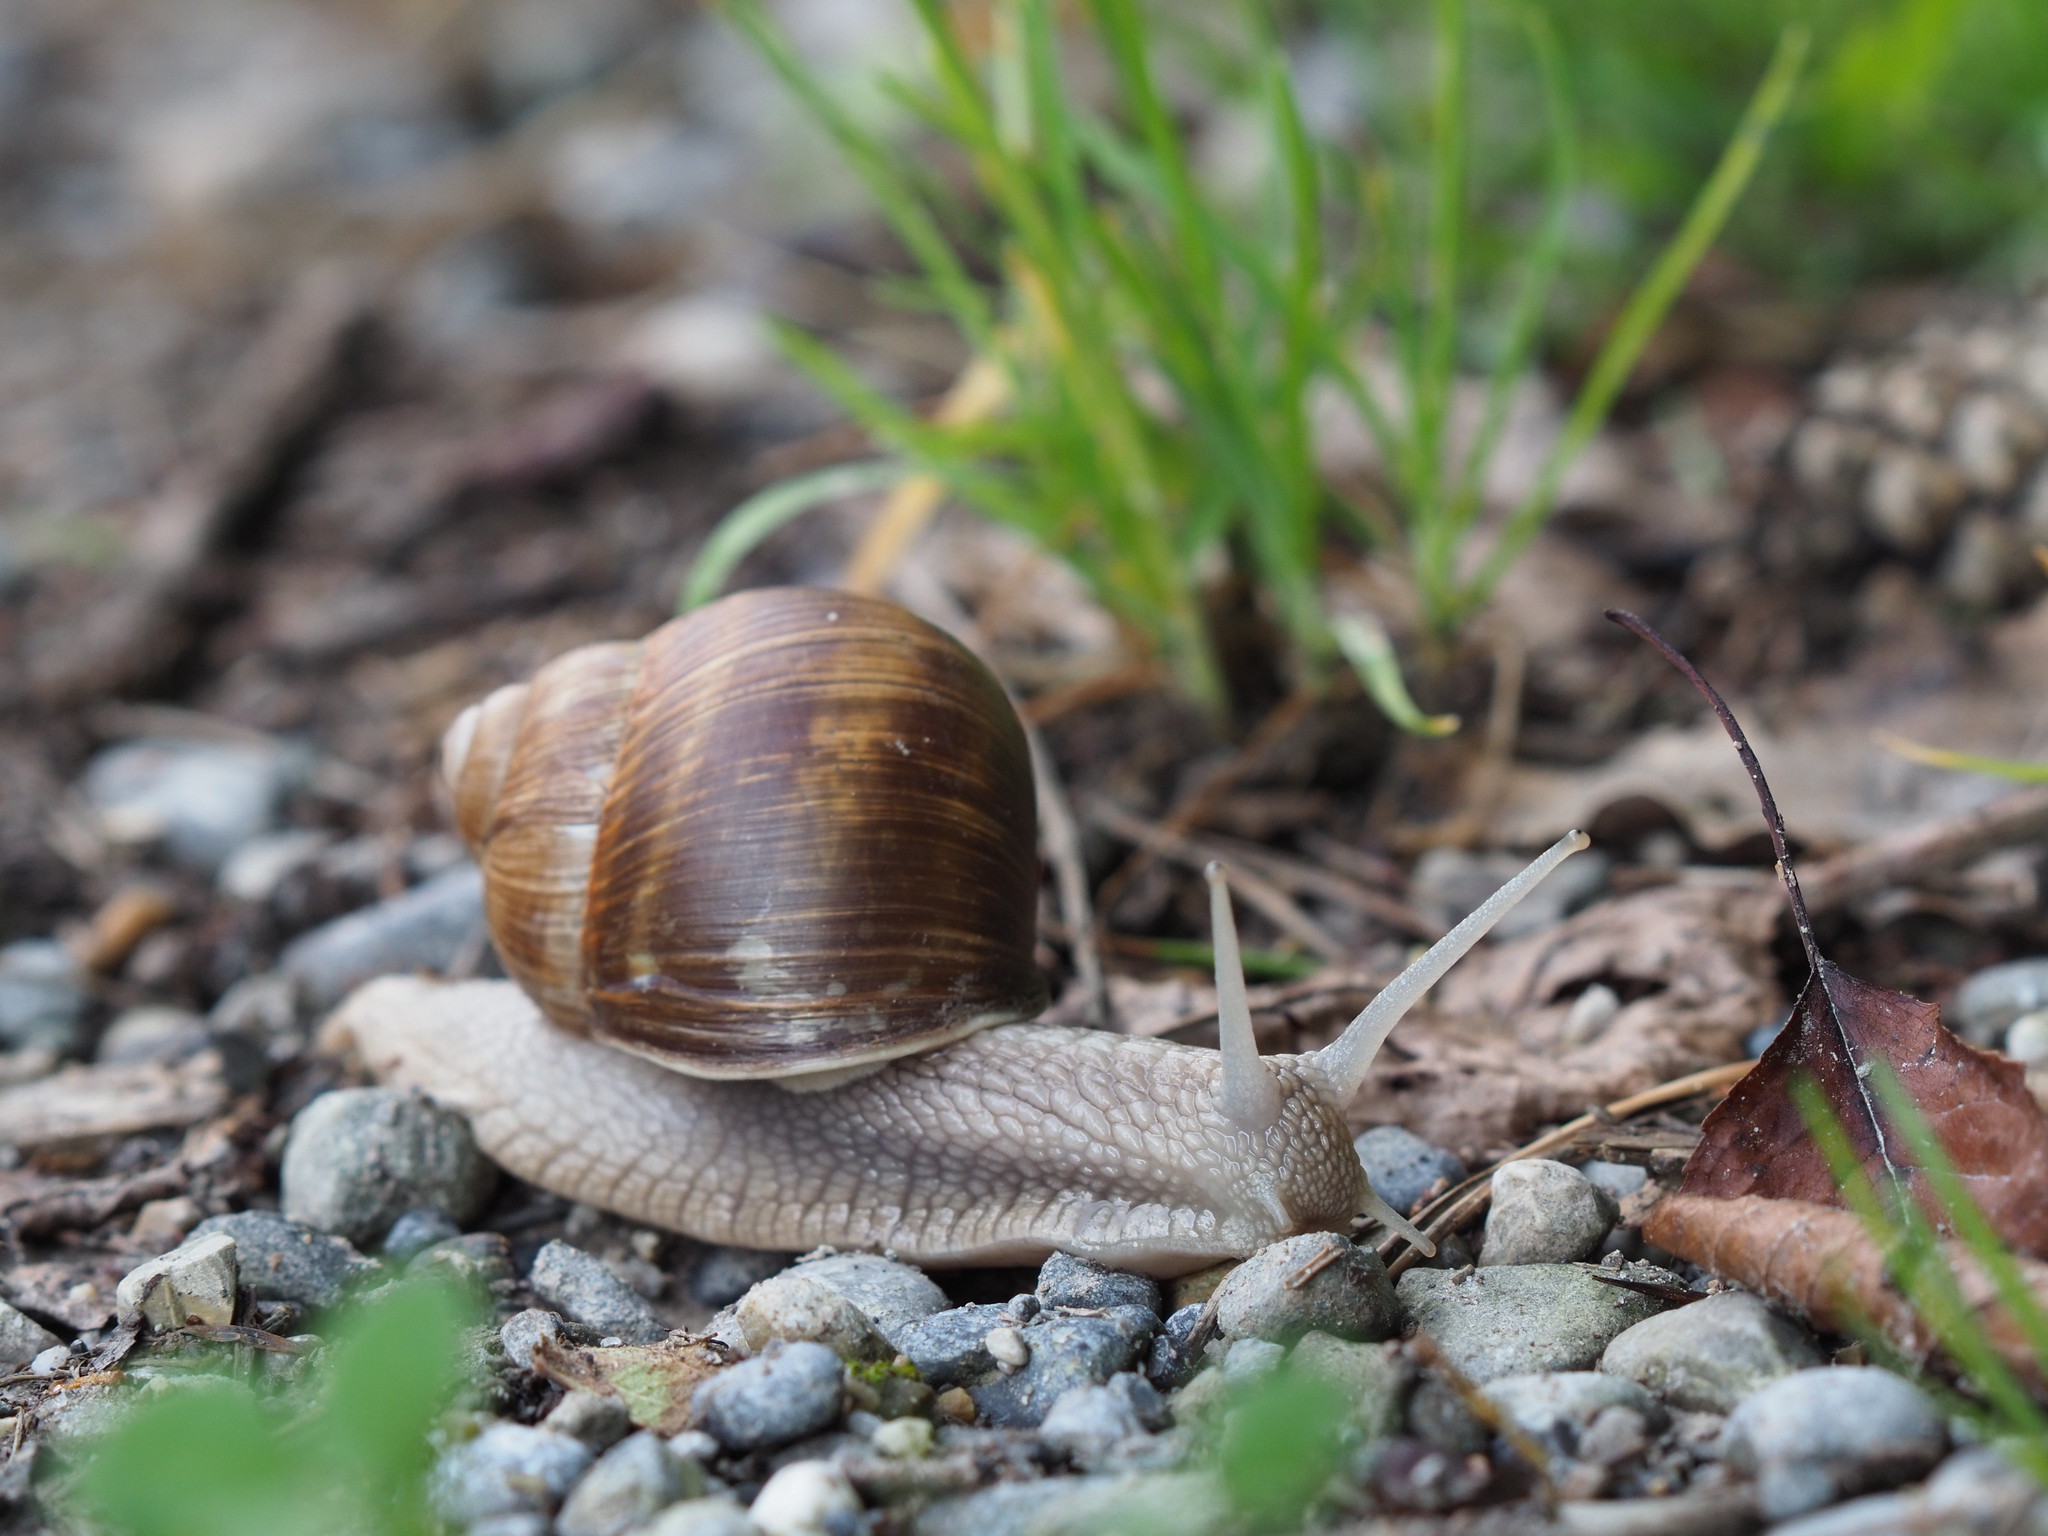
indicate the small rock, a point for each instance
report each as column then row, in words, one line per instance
column 716, row 1516
column 954, row 1406
column 1170, row 1364
column 1066, row 1350
column 423, row 929
column 1248, row 1360
column 951, row 1347
column 1087, row 1424
column 630, row 1483
column 2027, row 1041
column 1991, row 1000
column 792, row 1306
column 1374, row 1378
column 892, row 1295
column 194, row 1284
column 596, row 1419
column 255, row 870
column 1513, row 1320
column 1617, row 1181
column 1544, row 1213
column 584, row 1289
column 199, row 799
column 164, row 1224
column 1318, row 1281
column 480, row 1260
column 1007, row 1348
column 151, row 1034
column 806, row 1498
column 359, row 1158
column 23, row 1339
column 1402, row 1167
column 1708, row 1356
column 904, row 1439
column 782, row 1394
column 417, row 1229
column 1541, row 1402
column 1590, row 1014
column 48, row 1363
column 512, row 1525
column 509, row 1469
column 1815, row 1436
column 522, row 1332
column 281, row 1260
column 42, row 996
column 721, row 1276
column 1065, row 1280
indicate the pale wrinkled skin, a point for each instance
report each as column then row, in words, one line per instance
column 1000, row 1149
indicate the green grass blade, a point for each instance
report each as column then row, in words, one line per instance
column 740, row 532
column 2009, row 768
column 1364, row 643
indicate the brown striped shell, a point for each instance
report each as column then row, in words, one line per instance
column 792, row 832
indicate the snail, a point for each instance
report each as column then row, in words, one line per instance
column 768, row 881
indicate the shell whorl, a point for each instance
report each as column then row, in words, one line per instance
column 790, row 833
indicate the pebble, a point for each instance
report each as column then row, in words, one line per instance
column 805, row 1498
column 1402, row 1167
column 284, row 1260
column 1976, row 1490
column 905, row 1439
column 716, row 1516
column 1374, row 1378
column 950, row 1348
column 721, row 1276
column 1007, row 1348
column 508, row 1469
column 522, row 1332
column 1816, row 1436
column 1542, row 1401
column 423, row 929
column 596, row 1419
column 48, row 1363
column 1066, row 1350
column 193, row 1283
column 792, row 1306
column 630, row 1483
column 151, row 1034
column 1089, row 1424
column 1991, row 1000
column 1318, row 1281
column 892, row 1295
column 1544, row 1212
column 165, row 1223
column 1711, row 1354
column 585, row 1290
column 1449, row 884
column 1248, row 1360
column 23, row 1339
column 200, row 799
column 359, row 1158
column 417, row 1230
column 1617, row 1181
column 255, row 870
column 1170, row 1364
column 1512, row 1320
column 1066, row 1280
column 2027, row 1040
column 782, row 1394
column 1590, row 1014
column 42, row 996
column 480, row 1260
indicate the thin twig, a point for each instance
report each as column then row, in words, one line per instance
column 1939, row 846
column 1487, row 1412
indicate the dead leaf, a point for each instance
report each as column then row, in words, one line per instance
column 1493, row 1057
column 1820, row 1261
column 83, row 1103
column 656, row 1382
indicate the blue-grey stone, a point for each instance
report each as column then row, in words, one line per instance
column 586, row 1290
column 359, row 1158
column 42, row 996
column 422, row 929
column 1402, row 1167
column 784, row 1393
column 1066, row 1280
column 419, row 1228
column 1816, row 1436
column 948, row 1347
column 284, row 1260
column 1067, row 1351
column 509, row 1469
column 1990, row 1000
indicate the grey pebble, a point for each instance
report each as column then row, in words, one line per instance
column 22, row 1338
column 1708, row 1356
column 783, row 1394
column 599, row 1420
column 630, row 1483
column 151, row 1034
column 199, row 799
column 285, row 1260
column 1539, row 1403
column 1317, row 1282
column 714, row 1516
column 423, row 929
column 1816, row 1436
column 2027, row 1040
column 1402, row 1167
column 1976, row 1491
column 1247, row 1360
column 1544, row 1212
column 512, row 1525
column 1067, row 1350
column 1089, row 1424
column 950, row 1348
column 585, row 1290
column 1170, row 1364
column 417, row 1229
column 1066, row 1280
column 891, row 1294
column 359, row 1158
column 792, row 1306
column 480, row 1260
column 1186, row 1503
column 1516, row 1319
column 522, row 1332
column 1617, row 1181
column 721, row 1276
column 42, row 996
column 1991, row 1000
column 508, row 1469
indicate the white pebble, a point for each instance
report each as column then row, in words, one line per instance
column 197, row 1285
column 904, row 1439
column 801, row 1498
column 2027, row 1040
column 50, row 1361
column 1007, row 1348
column 1591, row 1012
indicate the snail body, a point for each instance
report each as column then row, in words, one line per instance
column 646, row 1066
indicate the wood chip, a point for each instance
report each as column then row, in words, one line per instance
column 84, row 1103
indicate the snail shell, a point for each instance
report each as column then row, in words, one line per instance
column 790, row 833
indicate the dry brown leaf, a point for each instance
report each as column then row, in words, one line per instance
column 656, row 1382
column 1491, row 1058
column 1820, row 1261
column 83, row 1103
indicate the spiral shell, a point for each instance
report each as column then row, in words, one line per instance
column 792, row 832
